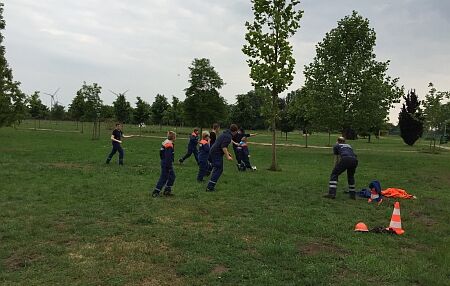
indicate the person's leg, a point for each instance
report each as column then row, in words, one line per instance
column 113, row 151
column 170, row 182
column 246, row 162
column 338, row 169
column 121, row 153
column 202, row 169
column 188, row 154
column 195, row 152
column 216, row 173
column 351, row 169
column 161, row 182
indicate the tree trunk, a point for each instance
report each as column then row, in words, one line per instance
column 77, row 124
column 274, row 166
column 329, row 137
column 82, row 127
column 369, row 138
column 39, row 123
column 286, row 136
column 140, row 130
column 306, row 139
column 35, row 124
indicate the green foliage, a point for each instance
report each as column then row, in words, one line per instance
column 270, row 54
column 347, row 87
column 92, row 102
column 58, row 112
column 78, row 105
column 203, row 104
column 122, row 109
column 435, row 111
column 159, row 108
column 142, row 112
column 411, row 119
column 12, row 99
column 247, row 112
column 36, row 108
column 175, row 113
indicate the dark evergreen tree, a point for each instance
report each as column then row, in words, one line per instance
column 411, row 119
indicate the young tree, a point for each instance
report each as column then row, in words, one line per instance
column 92, row 106
column 76, row 109
column 158, row 108
column 203, row 105
column 270, row 53
column 348, row 88
column 122, row 108
column 36, row 108
column 248, row 110
column 285, row 122
column 12, row 99
column 411, row 119
column 141, row 113
column 435, row 111
column 176, row 112
column 58, row 112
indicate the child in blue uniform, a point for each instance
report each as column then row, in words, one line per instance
column 192, row 147
column 167, row 177
column 203, row 155
column 244, row 155
column 236, row 139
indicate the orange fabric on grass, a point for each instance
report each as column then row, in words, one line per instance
column 396, row 193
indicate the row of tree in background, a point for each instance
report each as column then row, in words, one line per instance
column 346, row 89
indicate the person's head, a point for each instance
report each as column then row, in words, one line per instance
column 196, row 130
column 241, row 131
column 216, row 126
column 205, row 135
column 341, row 140
column 233, row 129
column 244, row 139
column 171, row 135
column 118, row 126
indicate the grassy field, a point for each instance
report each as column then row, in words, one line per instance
column 66, row 218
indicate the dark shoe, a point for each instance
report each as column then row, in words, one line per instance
column 180, row 161
column 155, row 193
column 210, row 190
column 168, row 193
column 329, row 196
column 107, row 161
column 352, row 195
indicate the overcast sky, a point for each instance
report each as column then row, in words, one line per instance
column 146, row 46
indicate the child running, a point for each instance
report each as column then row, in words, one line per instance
column 244, row 155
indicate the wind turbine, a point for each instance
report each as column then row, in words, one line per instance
column 52, row 98
column 118, row 94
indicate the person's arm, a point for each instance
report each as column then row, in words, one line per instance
column 336, row 159
column 114, row 139
column 227, row 154
column 128, row 136
column 168, row 157
column 234, row 143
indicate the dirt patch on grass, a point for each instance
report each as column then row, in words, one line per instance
column 18, row 261
column 63, row 165
column 316, row 248
column 219, row 270
column 423, row 219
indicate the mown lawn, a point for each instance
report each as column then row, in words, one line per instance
column 66, row 218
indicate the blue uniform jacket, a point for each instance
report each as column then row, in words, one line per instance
column 203, row 151
column 193, row 141
column 167, row 154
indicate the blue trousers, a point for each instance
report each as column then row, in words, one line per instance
column 167, row 178
column 116, row 148
column 217, row 164
column 203, row 168
column 348, row 164
column 189, row 153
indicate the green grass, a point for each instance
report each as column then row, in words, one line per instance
column 69, row 219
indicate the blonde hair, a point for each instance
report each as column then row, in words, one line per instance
column 341, row 139
column 205, row 134
column 171, row 135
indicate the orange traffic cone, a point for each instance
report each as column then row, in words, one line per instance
column 396, row 222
